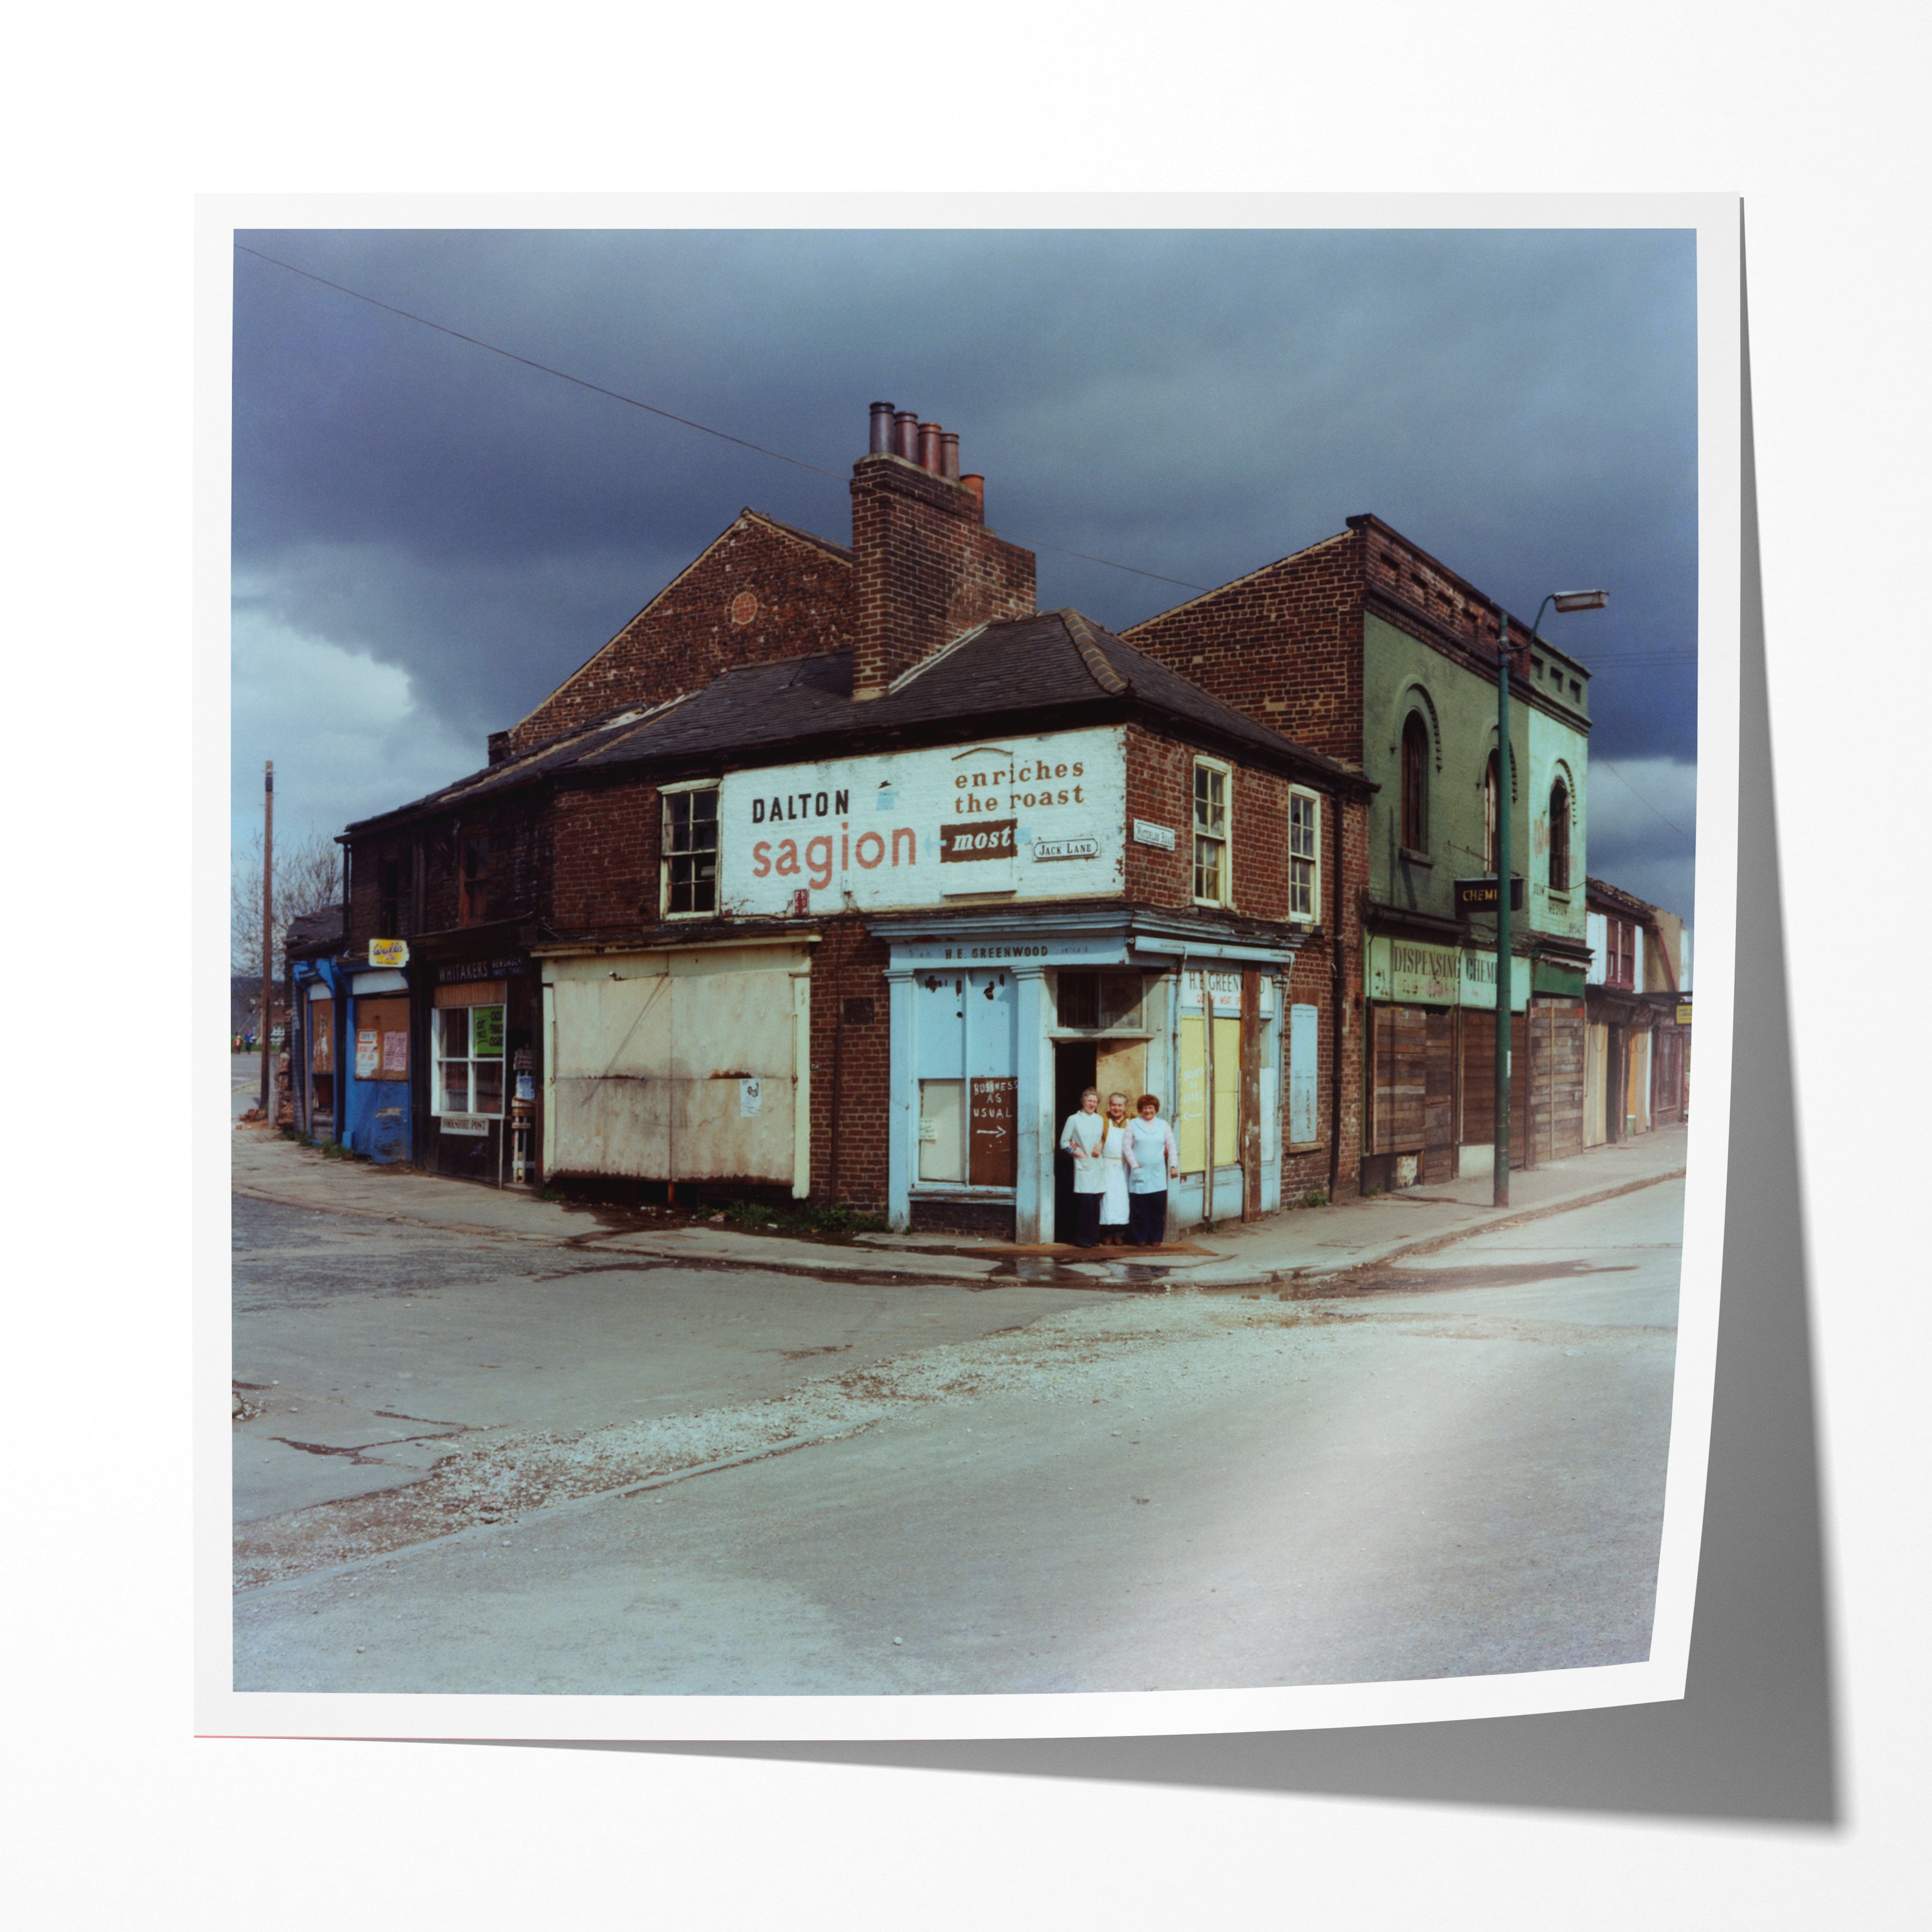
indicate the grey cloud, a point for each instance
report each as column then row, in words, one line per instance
column 1522, row 404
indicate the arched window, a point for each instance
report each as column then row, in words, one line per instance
column 1415, row 783
column 1559, row 837
column 1489, row 777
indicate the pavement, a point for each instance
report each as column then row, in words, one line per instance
column 1297, row 1248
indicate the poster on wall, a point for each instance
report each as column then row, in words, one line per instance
column 1039, row 817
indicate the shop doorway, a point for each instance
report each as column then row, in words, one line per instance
column 1074, row 1064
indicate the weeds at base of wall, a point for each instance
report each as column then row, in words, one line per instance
column 1314, row 1198
column 805, row 1217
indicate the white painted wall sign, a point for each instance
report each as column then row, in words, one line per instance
column 917, row 828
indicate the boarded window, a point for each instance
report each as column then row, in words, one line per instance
column 1304, row 1034
column 383, row 1038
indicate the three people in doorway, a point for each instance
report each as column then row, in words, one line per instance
column 1121, row 1169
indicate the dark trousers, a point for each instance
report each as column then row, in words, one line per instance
column 1087, row 1220
column 1147, row 1219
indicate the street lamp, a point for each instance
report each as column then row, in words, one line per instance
column 1563, row 600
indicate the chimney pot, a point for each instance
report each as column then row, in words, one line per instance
column 882, row 429
column 929, row 434
column 977, row 484
column 949, row 455
column 905, row 435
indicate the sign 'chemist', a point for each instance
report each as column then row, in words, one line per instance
column 922, row 828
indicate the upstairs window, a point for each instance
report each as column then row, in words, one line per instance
column 691, row 851
column 1211, row 867
column 1304, row 855
column 389, row 922
column 1620, row 953
column 1559, row 837
column 472, row 898
column 1415, row 783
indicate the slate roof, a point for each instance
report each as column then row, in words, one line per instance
column 312, row 932
column 1058, row 660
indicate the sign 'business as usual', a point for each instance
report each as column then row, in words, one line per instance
column 909, row 829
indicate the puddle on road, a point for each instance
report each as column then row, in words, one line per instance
column 1373, row 1278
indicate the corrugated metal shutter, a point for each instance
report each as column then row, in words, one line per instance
column 1304, row 1070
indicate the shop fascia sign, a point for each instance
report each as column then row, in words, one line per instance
column 1408, row 972
column 1037, row 816
column 391, row 952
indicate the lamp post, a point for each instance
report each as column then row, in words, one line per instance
column 1563, row 600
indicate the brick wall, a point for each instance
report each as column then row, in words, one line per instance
column 604, row 841
column 851, row 1100
column 1284, row 645
column 925, row 568
column 429, row 857
column 760, row 591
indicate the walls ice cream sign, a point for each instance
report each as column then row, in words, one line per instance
column 923, row 828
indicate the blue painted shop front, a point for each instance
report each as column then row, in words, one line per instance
column 997, row 1025
column 378, row 1062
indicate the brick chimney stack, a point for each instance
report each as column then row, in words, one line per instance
column 925, row 567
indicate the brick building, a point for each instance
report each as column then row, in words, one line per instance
column 1365, row 649
column 1638, row 999
column 838, row 872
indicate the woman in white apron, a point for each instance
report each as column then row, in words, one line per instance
column 1082, row 1137
column 1116, row 1159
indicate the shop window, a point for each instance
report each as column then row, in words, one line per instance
column 942, row 1130
column 1101, row 1002
column 1415, row 783
column 1212, row 869
column 1304, row 852
column 1559, row 837
column 473, row 893
column 691, row 851
column 468, row 1060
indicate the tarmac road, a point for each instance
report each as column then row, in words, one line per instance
column 1459, row 1468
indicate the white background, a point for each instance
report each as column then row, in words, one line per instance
column 119, row 1817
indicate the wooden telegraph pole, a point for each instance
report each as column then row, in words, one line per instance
column 268, row 941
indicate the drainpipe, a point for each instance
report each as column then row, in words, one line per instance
column 1174, row 1067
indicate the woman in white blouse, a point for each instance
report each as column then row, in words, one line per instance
column 1081, row 1138
column 1153, row 1160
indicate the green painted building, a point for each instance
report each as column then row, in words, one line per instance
column 1367, row 648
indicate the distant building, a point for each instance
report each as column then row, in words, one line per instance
column 1638, row 1071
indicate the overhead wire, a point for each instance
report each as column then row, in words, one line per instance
column 652, row 409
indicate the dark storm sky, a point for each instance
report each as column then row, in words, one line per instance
column 428, row 537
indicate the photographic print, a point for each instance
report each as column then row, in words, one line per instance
column 963, row 958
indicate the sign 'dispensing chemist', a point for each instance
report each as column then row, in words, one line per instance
column 923, row 828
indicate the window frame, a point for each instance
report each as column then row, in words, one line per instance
column 1559, row 834
column 667, row 855
column 1415, row 803
column 1225, row 841
column 1309, row 795
column 472, row 888
column 470, row 1057
column 1493, row 787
